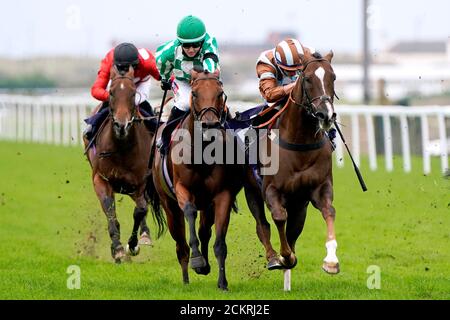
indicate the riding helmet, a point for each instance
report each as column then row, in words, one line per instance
column 191, row 29
column 126, row 54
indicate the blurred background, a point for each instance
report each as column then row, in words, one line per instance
column 56, row 47
column 385, row 53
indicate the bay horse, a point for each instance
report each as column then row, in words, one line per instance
column 210, row 188
column 119, row 162
column 306, row 173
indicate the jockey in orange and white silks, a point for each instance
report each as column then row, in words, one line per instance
column 278, row 69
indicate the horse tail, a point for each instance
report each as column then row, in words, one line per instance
column 152, row 197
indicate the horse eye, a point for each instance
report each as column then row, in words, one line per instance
column 220, row 94
column 194, row 94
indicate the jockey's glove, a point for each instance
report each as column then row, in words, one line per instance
column 166, row 84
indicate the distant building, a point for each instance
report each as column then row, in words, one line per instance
column 406, row 52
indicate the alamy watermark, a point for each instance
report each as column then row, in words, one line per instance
column 374, row 279
column 215, row 146
column 74, row 279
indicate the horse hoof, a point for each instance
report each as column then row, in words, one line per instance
column 198, row 262
column 119, row 254
column 287, row 263
column 223, row 287
column 331, row 267
column 145, row 240
column 274, row 264
column 133, row 251
column 203, row 271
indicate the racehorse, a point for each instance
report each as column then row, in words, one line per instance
column 210, row 188
column 306, row 173
column 119, row 162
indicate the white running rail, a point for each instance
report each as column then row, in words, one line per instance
column 60, row 121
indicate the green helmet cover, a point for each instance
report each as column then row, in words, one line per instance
column 191, row 29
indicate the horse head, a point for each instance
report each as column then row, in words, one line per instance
column 122, row 100
column 316, row 89
column 208, row 100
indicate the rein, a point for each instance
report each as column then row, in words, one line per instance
column 308, row 105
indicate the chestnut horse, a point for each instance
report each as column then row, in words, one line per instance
column 210, row 188
column 119, row 162
column 306, row 173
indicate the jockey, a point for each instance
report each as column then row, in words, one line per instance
column 278, row 69
column 193, row 47
column 123, row 56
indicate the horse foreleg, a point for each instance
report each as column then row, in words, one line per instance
column 322, row 200
column 295, row 222
column 279, row 215
column 222, row 208
column 140, row 211
column 256, row 206
column 106, row 196
column 204, row 233
column 186, row 203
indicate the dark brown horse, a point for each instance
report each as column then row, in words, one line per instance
column 210, row 188
column 306, row 172
column 119, row 162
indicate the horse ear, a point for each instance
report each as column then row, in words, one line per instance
column 130, row 72
column 194, row 74
column 329, row 56
column 113, row 72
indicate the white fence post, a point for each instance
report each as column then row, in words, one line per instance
column 425, row 141
column 404, row 129
column 371, row 144
column 443, row 143
column 388, row 142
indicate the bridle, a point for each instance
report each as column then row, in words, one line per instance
column 308, row 102
column 133, row 112
column 221, row 114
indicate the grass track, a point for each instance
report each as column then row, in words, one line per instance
column 50, row 219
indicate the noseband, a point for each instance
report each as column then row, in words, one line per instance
column 308, row 102
column 110, row 95
column 220, row 114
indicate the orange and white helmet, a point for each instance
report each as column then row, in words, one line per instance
column 287, row 54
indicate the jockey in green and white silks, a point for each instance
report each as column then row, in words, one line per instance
column 175, row 60
column 194, row 47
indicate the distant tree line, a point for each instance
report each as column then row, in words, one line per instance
column 26, row 81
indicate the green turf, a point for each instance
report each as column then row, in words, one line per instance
column 50, row 219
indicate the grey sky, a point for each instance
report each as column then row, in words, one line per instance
column 86, row 27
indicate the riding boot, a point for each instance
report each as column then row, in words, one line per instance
column 146, row 109
column 95, row 121
column 163, row 143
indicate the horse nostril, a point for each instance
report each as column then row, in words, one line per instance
column 320, row 115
